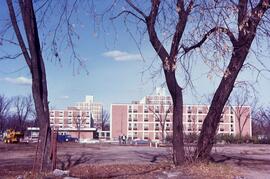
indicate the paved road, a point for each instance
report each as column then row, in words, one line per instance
column 252, row 160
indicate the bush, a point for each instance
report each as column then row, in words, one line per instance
column 231, row 139
column 191, row 138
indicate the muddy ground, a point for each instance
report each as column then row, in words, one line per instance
column 249, row 161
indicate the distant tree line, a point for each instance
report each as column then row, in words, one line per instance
column 17, row 113
column 261, row 122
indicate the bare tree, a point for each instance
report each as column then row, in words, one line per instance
column 32, row 53
column 162, row 115
column 261, row 122
column 240, row 103
column 79, row 120
column 105, row 126
column 246, row 18
column 4, row 109
column 179, row 11
column 23, row 109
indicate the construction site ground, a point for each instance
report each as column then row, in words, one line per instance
column 114, row 161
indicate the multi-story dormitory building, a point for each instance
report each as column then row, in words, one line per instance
column 95, row 108
column 151, row 118
column 80, row 121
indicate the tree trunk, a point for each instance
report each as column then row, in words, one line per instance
column 176, row 94
column 162, row 134
column 240, row 129
column 34, row 60
column 211, row 122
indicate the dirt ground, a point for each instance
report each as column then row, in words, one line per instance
column 92, row 160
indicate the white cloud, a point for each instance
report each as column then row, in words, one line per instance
column 19, row 80
column 122, row 56
column 64, row 97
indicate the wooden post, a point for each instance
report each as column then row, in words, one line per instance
column 54, row 148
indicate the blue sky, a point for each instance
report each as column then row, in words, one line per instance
column 115, row 71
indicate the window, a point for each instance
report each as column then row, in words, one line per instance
column 145, row 109
column 146, row 135
column 189, row 109
column 146, row 118
column 129, row 126
column 129, row 109
column 189, row 118
column 146, row 127
column 221, row 119
column 167, row 127
column 221, row 129
column 135, row 118
column 135, row 126
column 156, row 109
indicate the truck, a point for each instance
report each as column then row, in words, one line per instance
column 12, row 136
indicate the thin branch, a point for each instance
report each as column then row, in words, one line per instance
column 136, row 8
column 205, row 37
column 10, row 57
column 127, row 12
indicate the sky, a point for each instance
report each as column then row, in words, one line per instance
column 114, row 70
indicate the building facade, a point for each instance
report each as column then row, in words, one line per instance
column 151, row 118
column 72, row 121
column 95, row 108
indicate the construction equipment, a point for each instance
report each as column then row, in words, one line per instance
column 12, row 136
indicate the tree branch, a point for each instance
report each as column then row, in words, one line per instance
column 179, row 30
column 136, row 8
column 205, row 37
column 127, row 12
column 18, row 33
column 263, row 5
column 150, row 22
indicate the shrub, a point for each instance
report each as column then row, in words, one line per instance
column 191, row 138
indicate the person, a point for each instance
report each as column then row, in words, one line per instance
column 124, row 139
column 120, row 139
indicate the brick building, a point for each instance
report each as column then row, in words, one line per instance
column 73, row 121
column 151, row 118
column 95, row 109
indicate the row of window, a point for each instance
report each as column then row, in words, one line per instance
column 168, row 108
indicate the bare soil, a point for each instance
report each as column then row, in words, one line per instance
column 113, row 161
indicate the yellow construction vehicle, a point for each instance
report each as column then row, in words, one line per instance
column 12, row 136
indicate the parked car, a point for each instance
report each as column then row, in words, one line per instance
column 66, row 138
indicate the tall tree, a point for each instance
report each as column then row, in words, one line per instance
column 181, row 11
column 33, row 56
column 249, row 15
